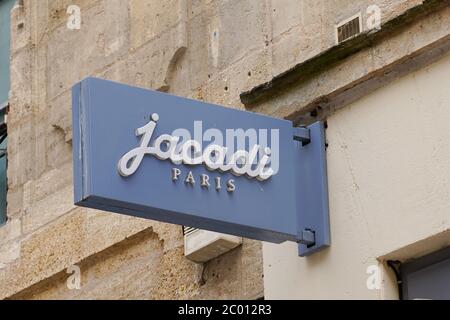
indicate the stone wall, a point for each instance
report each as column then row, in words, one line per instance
column 204, row 49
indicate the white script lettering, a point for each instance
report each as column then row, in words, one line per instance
column 190, row 153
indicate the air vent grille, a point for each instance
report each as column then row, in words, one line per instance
column 188, row 230
column 349, row 29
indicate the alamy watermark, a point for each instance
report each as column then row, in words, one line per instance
column 373, row 21
column 374, row 279
column 74, row 20
column 73, row 282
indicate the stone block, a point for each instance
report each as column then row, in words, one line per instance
column 21, row 85
column 57, row 128
column 286, row 14
column 226, row 87
column 148, row 66
column 224, row 34
column 52, row 181
column 49, row 208
column 76, row 54
column 12, row 230
column 21, row 146
column 15, row 201
column 149, row 19
column 9, row 253
column 20, row 28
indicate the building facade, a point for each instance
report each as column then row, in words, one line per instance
column 376, row 71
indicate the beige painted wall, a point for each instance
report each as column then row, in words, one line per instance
column 389, row 182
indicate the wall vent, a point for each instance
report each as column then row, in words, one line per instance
column 348, row 28
column 201, row 245
column 188, row 230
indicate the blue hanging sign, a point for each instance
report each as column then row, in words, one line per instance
column 157, row 156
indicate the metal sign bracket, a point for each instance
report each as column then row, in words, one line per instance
column 312, row 187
